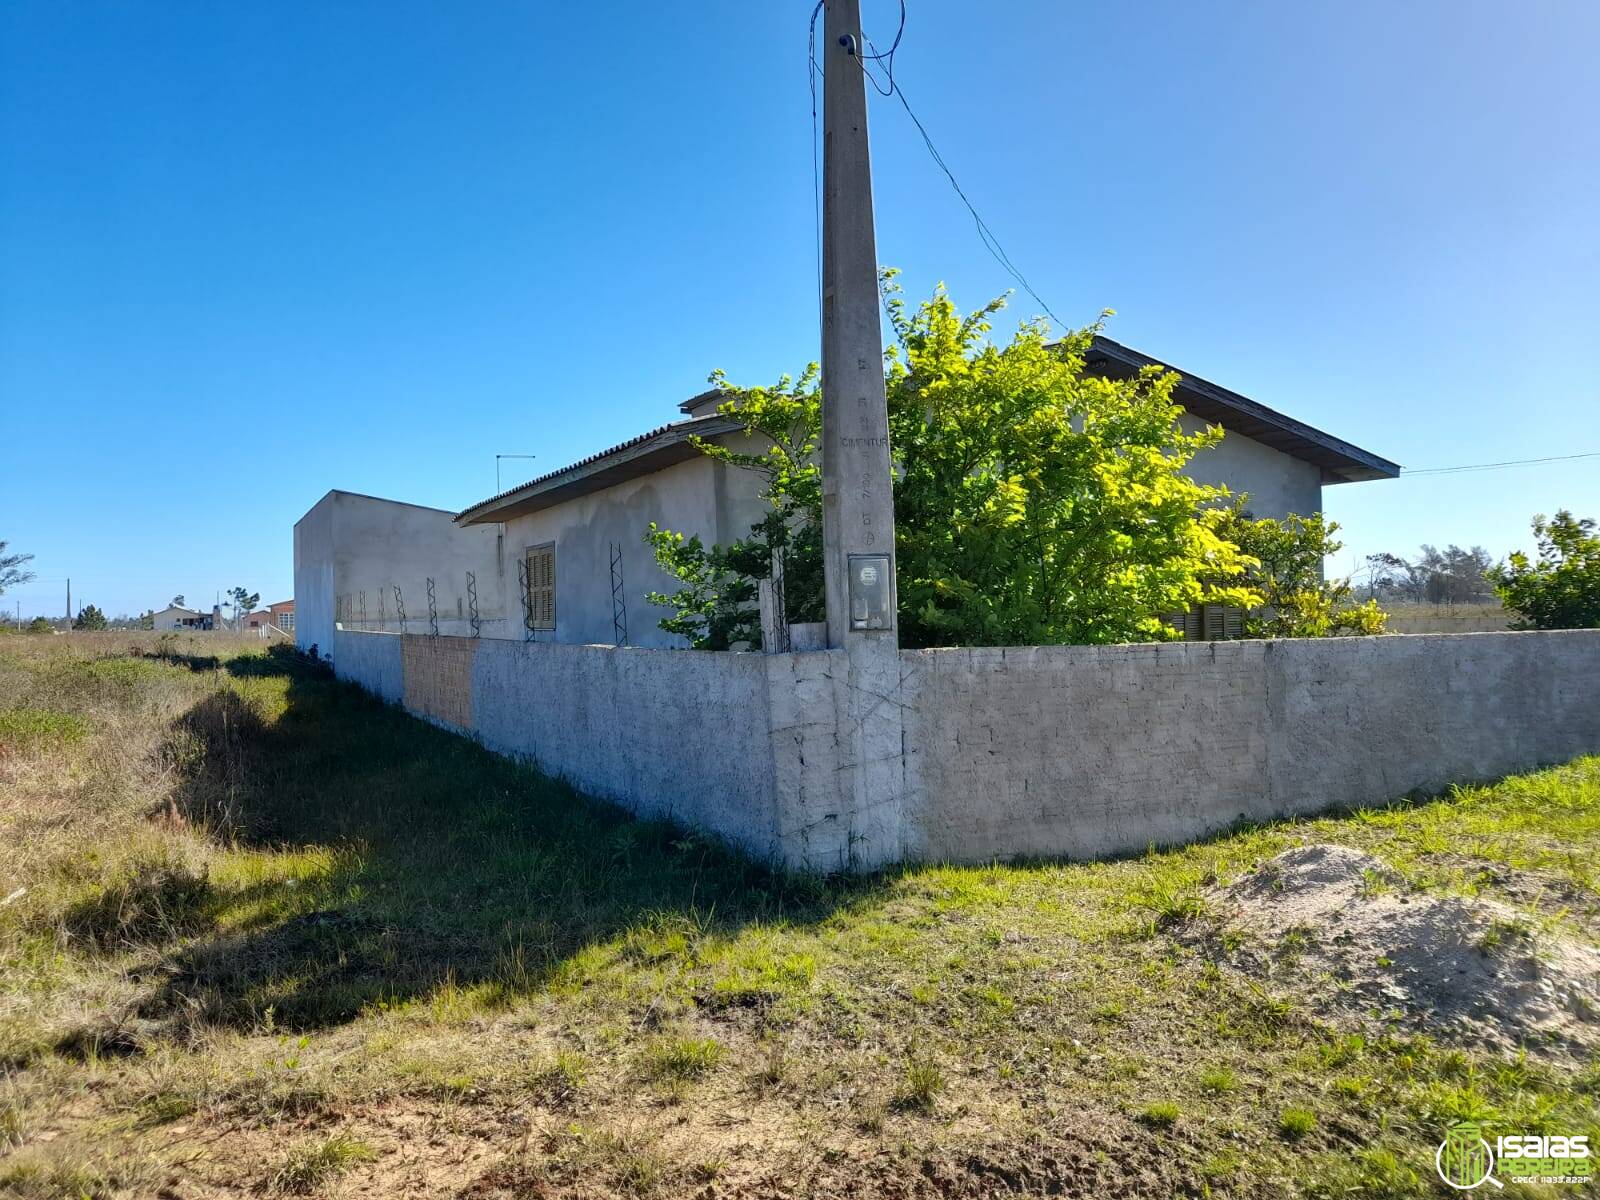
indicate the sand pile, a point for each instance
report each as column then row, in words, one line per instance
column 1341, row 927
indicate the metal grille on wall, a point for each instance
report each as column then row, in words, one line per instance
column 619, row 600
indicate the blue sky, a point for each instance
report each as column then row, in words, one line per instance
column 249, row 252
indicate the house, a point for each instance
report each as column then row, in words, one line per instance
column 562, row 557
column 175, row 618
column 279, row 616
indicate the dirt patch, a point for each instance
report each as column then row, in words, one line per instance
column 1343, row 929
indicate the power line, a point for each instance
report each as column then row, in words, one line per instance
column 1496, row 466
column 986, row 235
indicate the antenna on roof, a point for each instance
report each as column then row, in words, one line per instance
column 497, row 488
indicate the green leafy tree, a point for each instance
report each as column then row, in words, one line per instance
column 11, row 572
column 1033, row 503
column 1287, row 557
column 1561, row 590
column 40, row 625
column 715, row 609
column 89, row 617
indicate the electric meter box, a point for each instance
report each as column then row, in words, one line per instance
column 871, row 592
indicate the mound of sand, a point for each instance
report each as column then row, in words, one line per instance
column 1342, row 927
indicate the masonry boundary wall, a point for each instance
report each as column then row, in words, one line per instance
column 1074, row 751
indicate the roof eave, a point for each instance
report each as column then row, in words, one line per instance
column 643, row 456
column 1340, row 461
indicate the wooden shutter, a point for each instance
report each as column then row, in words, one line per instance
column 1223, row 623
column 1186, row 623
column 542, row 588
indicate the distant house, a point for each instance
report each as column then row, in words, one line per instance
column 173, row 618
column 279, row 615
column 562, row 557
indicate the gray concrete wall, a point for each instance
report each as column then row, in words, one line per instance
column 1278, row 483
column 371, row 659
column 1080, row 750
column 1074, row 751
column 678, row 734
column 1087, row 751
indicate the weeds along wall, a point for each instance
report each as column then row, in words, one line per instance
column 1076, row 751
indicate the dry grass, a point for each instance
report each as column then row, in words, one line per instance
column 275, row 936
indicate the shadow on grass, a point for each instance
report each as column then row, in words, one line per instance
column 440, row 861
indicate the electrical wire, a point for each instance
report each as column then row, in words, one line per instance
column 986, row 235
column 1496, row 466
column 892, row 87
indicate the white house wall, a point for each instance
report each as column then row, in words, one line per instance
column 1278, row 483
column 352, row 551
column 356, row 550
column 699, row 496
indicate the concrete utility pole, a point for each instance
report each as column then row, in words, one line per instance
column 857, row 493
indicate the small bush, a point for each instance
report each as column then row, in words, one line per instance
column 149, row 900
column 921, row 1086
column 1219, row 1081
column 1173, row 903
column 1163, row 1114
column 1295, row 1123
column 562, row 1078
column 682, row 1058
column 311, row 1164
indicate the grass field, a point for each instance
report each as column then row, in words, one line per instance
column 261, row 934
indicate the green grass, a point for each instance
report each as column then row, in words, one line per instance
column 255, row 898
column 682, row 1058
column 921, row 1084
column 32, row 728
column 312, row 1164
column 1296, row 1123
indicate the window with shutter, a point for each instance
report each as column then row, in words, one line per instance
column 541, row 566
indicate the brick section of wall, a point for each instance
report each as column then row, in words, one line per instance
column 438, row 678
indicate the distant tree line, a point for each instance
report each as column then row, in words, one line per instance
column 1448, row 576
